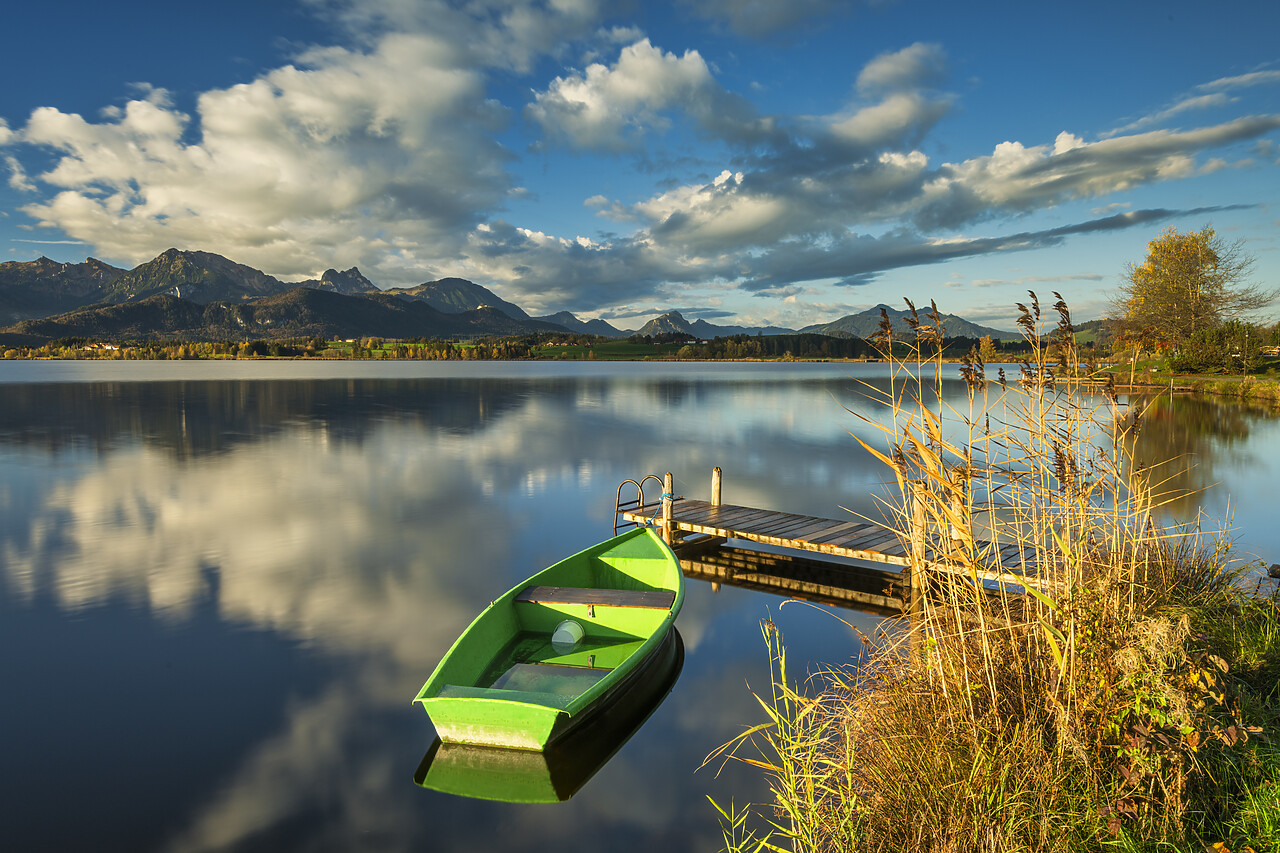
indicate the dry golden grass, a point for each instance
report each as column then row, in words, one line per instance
column 1080, row 707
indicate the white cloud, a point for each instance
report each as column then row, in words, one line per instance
column 1256, row 78
column 1196, row 102
column 1067, row 142
column 1015, row 178
column 613, row 108
column 18, row 179
column 919, row 66
column 602, row 107
column 623, row 35
column 339, row 159
column 1215, row 98
column 901, row 117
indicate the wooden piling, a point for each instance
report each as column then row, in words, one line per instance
column 918, row 522
column 959, row 500
column 668, row 498
column 715, row 486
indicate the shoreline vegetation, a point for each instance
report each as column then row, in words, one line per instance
column 1128, row 700
column 1261, row 387
column 547, row 346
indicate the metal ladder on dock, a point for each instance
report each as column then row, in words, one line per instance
column 620, row 507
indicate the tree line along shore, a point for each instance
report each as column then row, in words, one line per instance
column 546, row 346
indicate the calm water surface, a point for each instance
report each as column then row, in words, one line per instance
column 222, row 583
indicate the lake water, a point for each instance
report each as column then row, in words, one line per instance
column 221, row 584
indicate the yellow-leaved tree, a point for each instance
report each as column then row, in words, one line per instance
column 1188, row 283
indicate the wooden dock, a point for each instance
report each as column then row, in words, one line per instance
column 679, row 518
column 698, row 531
column 858, row 540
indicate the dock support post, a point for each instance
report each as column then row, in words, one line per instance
column 960, row 500
column 715, row 486
column 668, row 497
column 918, row 523
column 918, row 520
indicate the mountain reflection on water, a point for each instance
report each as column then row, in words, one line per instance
column 217, row 597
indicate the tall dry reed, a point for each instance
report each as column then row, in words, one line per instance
column 1050, row 688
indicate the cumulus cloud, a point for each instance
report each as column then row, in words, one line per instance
column 316, row 164
column 611, row 108
column 1015, row 178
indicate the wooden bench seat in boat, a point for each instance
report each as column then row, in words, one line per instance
column 551, row 700
column 660, row 599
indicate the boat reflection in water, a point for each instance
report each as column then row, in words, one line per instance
column 558, row 772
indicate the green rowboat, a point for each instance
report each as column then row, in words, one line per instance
column 551, row 652
column 558, row 772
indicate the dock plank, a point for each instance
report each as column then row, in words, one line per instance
column 843, row 531
column 829, row 529
column 864, row 539
column 783, row 526
column 820, row 528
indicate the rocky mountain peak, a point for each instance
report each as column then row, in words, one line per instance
column 346, row 281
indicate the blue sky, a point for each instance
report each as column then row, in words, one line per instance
column 739, row 160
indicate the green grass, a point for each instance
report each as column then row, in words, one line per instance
column 342, row 349
column 608, row 351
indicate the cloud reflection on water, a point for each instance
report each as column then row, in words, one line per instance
column 369, row 524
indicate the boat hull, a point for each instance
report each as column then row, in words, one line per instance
column 514, row 680
column 569, row 762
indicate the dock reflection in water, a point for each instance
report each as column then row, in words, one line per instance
column 825, row 582
column 561, row 770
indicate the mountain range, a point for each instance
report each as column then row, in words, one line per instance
column 867, row 324
column 192, row 295
column 674, row 323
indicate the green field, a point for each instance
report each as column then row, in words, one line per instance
column 606, row 351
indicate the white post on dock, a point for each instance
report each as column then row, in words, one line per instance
column 715, row 486
column 668, row 497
